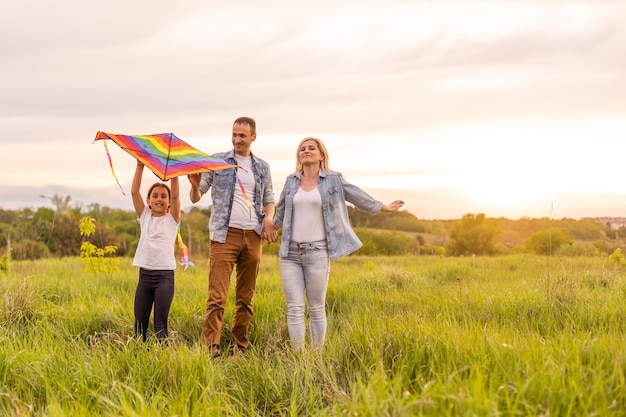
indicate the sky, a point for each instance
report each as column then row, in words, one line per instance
column 507, row 108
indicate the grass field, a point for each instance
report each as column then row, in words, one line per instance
column 511, row 336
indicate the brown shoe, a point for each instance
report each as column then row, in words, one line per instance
column 214, row 351
column 233, row 350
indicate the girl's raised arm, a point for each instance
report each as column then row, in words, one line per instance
column 134, row 191
column 175, row 199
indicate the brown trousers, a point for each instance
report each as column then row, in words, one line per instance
column 242, row 249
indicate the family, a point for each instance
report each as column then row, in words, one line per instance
column 311, row 212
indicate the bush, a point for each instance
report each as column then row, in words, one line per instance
column 473, row 235
column 4, row 262
column 386, row 243
column 617, row 257
column 97, row 260
column 547, row 242
column 29, row 249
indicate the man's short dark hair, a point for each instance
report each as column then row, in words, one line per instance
column 246, row 121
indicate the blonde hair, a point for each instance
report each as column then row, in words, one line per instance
column 322, row 149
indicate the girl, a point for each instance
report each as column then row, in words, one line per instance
column 158, row 223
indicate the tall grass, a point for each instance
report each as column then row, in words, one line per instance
column 407, row 336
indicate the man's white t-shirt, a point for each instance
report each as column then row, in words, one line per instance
column 243, row 215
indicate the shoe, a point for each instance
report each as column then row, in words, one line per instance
column 233, row 350
column 214, row 351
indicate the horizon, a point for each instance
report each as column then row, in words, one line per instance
column 124, row 203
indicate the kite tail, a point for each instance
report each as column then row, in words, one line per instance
column 106, row 148
column 245, row 196
column 184, row 253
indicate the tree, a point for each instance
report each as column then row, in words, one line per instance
column 473, row 235
column 546, row 242
column 61, row 203
column 97, row 260
column 395, row 220
column 194, row 228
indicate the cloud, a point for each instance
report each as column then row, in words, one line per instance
column 430, row 88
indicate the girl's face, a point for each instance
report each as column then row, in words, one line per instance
column 309, row 153
column 159, row 200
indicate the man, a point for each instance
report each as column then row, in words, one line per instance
column 242, row 214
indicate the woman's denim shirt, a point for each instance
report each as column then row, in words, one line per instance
column 222, row 184
column 335, row 191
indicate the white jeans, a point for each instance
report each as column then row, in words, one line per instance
column 305, row 270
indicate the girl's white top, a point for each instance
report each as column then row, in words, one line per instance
column 156, row 242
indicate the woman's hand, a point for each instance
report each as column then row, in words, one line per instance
column 270, row 231
column 393, row 206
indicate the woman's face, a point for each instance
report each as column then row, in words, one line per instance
column 309, row 153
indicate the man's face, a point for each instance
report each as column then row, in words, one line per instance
column 242, row 139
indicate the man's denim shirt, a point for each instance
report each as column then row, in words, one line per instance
column 335, row 191
column 222, row 184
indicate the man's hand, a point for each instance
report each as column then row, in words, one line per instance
column 194, row 193
column 270, row 231
column 194, row 179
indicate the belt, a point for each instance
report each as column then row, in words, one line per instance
column 308, row 245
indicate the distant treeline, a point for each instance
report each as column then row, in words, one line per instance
column 54, row 232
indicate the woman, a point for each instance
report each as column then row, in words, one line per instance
column 313, row 215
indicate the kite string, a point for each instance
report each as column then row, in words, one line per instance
column 106, row 148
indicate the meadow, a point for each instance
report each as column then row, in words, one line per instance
column 515, row 335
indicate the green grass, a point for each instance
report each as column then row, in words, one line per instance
column 512, row 336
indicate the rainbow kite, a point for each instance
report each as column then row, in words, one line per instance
column 164, row 154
